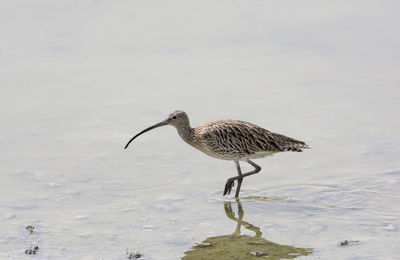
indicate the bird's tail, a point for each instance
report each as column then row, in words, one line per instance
column 295, row 146
column 285, row 143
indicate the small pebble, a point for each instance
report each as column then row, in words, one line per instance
column 257, row 253
column 204, row 244
column 131, row 255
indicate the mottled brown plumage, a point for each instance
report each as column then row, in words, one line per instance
column 235, row 140
column 230, row 140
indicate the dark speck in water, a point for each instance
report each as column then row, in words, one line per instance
column 347, row 242
column 30, row 229
column 32, row 250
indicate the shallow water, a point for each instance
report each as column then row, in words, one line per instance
column 79, row 79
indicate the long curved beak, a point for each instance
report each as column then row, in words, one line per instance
column 162, row 123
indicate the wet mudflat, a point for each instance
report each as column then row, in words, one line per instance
column 79, row 79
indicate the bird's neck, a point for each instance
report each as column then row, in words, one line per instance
column 186, row 133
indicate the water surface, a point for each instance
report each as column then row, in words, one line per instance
column 79, row 78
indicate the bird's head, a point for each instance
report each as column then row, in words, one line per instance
column 178, row 119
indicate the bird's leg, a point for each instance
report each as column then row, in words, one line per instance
column 229, row 185
column 239, row 180
column 230, row 182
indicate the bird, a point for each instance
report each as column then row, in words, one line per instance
column 231, row 140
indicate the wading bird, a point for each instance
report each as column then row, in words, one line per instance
column 232, row 140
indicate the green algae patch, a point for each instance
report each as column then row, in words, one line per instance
column 270, row 199
column 243, row 247
column 237, row 246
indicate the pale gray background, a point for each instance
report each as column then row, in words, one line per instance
column 79, row 78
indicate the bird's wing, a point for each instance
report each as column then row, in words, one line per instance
column 238, row 136
column 247, row 138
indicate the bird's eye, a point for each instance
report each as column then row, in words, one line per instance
column 174, row 117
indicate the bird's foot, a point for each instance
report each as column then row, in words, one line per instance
column 229, row 185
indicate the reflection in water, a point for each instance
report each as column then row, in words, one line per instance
column 237, row 246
